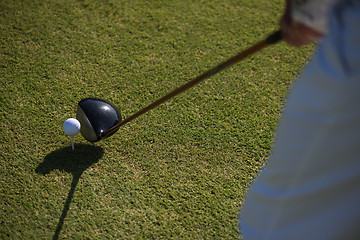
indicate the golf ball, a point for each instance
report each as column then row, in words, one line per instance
column 71, row 126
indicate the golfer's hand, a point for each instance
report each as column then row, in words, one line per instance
column 296, row 33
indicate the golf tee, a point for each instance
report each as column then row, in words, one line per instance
column 72, row 142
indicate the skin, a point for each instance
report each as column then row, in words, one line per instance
column 296, row 33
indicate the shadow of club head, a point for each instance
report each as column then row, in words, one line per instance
column 74, row 162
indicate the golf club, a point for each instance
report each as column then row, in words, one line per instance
column 100, row 119
column 96, row 116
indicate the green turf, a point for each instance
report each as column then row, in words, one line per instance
column 178, row 172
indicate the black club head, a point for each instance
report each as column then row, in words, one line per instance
column 96, row 116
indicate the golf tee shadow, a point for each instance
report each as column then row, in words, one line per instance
column 75, row 162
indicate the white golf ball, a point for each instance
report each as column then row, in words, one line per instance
column 71, row 126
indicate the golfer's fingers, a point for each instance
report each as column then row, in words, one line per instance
column 297, row 34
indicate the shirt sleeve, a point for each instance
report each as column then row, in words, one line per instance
column 313, row 13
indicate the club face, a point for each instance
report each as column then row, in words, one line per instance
column 96, row 116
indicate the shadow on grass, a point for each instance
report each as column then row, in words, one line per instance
column 75, row 162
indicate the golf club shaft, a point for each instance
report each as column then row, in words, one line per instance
column 271, row 39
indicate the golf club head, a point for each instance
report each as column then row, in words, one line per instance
column 96, row 116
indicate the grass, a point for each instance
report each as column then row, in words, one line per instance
column 179, row 172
